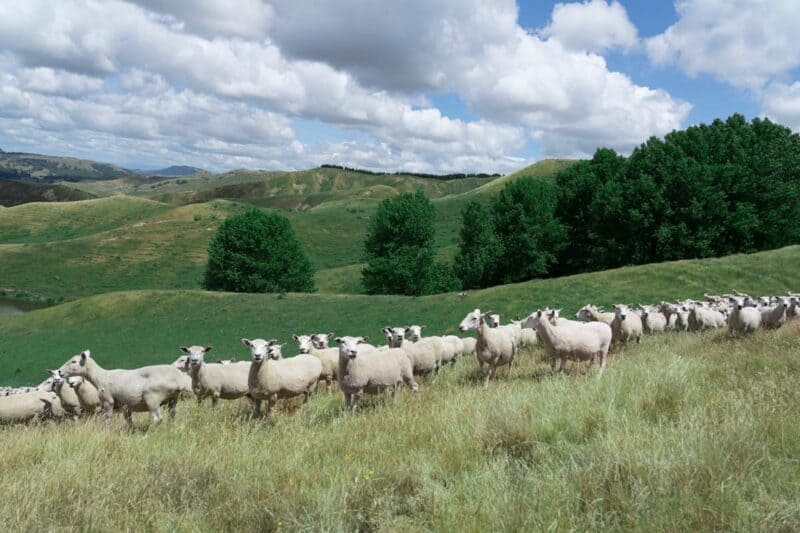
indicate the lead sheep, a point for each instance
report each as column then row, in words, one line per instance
column 493, row 347
column 217, row 380
column 136, row 390
column 581, row 342
column 273, row 378
column 371, row 371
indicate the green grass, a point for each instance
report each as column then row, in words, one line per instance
column 686, row 432
column 145, row 327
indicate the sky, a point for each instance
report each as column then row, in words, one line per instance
column 419, row 85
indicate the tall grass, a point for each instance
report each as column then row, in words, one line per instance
column 685, row 432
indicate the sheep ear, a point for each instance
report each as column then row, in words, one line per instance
column 422, row 327
column 272, row 342
column 330, row 334
column 362, row 340
column 295, row 337
column 185, row 349
column 385, row 330
column 86, row 354
column 208, row 348
column 338, row 340
column 247, row 342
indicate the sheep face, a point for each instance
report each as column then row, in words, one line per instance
column 304, row 342
column 76, row 366
column 584, row 313
column 738, row 302
column 259, row 348
column 275, row 351
column 621, row 311
column 394, row 336
column 348, row 346
column 196, row 354
column 181, row 362
column 322, row 340
column 415, row 332
column 75, row 381
column 56, row 377
column 473, row 320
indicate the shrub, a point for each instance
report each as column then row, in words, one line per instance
column 257, row 252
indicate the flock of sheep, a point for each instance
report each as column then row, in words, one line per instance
column 82, row 386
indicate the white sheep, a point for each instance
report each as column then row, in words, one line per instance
column 469, row 345
column 272, row 378
column 217, row 380
column 493, row 347
column 68, row 397
column 28, row 406
column 140, row 389
column 424, row 355
column 317, row 345
column 794, row 307
column 594, row 314
column 626, row 326
column 585, row 341
column 702, row 317
column 88, row 396
column 653, row 321
column 371, row 371
column 527, row 336
column 445, row 351
column 457, row 345
column 743, row 318
column 775, row 316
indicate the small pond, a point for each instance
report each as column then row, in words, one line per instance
column 13, row 306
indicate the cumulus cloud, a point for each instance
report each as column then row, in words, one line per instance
column 781, row 103
column 594, row 25
column 743, row 42
column 223, row 83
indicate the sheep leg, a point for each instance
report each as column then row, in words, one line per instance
column 602, row 362
column 348, row 400
column 256, row 408
column 128, row 416
column 215, row 399
column 563, row 363
column 490, row 375
column 553, row 362
column 306, row 395
column 108, row 413
column 171, row 408
column 356, row 399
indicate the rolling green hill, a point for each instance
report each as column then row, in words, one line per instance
column 130, row 242
column 139, row 327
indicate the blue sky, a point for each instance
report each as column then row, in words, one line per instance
column 420, row 85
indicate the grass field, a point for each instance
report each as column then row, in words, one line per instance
column 685, row 432
column 146, row 327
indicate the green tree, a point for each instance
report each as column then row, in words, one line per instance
column 257, row 252
column 399, row 247
column 529, row 233
column 478, row 247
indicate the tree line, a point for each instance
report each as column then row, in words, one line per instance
column 728, row 187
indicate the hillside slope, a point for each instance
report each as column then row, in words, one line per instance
column 131, row 328
column 47, row 168
column 16, row 193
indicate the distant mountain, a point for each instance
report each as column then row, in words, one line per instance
column 175, row 171
column 17, row 192
column 37, row 168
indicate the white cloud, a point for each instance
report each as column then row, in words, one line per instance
column 223, row 83
column 743, row 42
column 781, row 103
column 593, row 25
